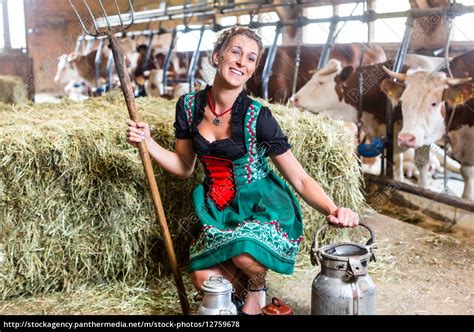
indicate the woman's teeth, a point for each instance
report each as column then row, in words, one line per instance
column 236, row 72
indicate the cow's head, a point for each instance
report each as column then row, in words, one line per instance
column 423, row 94
column 66, row 71
column 319, row 94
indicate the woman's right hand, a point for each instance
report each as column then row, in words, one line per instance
column 137, row 132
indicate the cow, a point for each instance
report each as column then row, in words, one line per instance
column 281, row 79
column 75, row 66
column 334, row 91
column 432, row 104
column 429, row 32
column 149, row 74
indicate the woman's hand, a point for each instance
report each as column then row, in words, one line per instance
column 343, row 217
column 137, row 132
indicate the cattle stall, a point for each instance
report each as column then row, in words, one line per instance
column 376, row 98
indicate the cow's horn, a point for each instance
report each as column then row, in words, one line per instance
column 456, row 81
column 398, row 76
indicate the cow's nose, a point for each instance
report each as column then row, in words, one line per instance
column 295, row 101
column 407, row 140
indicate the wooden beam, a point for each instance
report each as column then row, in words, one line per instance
column 438, row 197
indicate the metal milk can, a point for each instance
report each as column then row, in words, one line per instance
column 217, row 298
column 343, row 286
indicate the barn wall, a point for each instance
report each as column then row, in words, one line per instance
column 51, row 32
column 53, row 29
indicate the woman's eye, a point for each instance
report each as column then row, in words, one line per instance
column 235, row 52
column 251, row 59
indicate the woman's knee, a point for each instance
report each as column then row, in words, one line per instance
column 226, row 269
column 246, row 262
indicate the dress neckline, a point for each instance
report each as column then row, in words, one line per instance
column 215, row 141
column 202, row 110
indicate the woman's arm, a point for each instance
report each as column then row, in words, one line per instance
column 312, row 192
column 180, row 163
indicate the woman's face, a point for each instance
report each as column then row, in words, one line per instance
column 238, row 61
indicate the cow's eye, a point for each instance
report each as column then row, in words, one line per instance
column 321, row 83
column 433, row 104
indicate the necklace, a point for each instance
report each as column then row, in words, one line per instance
column 216, row 121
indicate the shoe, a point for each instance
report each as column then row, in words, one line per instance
column 240, row 303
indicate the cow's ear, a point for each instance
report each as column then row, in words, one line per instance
column 459, row 94
column 346, row 72
column 393, row 90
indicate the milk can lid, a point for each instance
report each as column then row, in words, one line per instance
column 216, row 284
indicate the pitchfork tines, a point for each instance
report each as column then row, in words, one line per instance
column 112, row 25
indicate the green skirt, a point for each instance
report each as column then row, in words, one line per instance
column 263, row 220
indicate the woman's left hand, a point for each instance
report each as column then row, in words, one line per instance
column 343, row 217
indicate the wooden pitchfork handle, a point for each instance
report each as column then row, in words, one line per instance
column 155, row 194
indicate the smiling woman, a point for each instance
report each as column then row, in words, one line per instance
column 249, row 219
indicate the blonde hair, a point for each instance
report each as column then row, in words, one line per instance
column 226, row 36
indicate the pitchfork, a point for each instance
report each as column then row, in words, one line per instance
column 109, row 32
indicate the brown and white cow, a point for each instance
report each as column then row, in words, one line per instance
column 76, row 66
column 283, row 69
column 334, row 91
column 426, row 117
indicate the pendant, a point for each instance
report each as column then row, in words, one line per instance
column 217, row 121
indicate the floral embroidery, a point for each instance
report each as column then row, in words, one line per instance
column 267, row 234
column 256, row 167
column 189, row 107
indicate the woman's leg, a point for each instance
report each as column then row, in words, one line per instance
column 256, row 273
column 227, row 269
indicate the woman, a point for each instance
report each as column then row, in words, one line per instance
column 249, row 219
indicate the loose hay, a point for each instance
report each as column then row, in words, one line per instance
column 74, row 204
column 12, row 90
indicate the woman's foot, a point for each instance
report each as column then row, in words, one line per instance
column 254, row 302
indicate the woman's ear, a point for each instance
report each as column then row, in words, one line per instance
column 215, row 58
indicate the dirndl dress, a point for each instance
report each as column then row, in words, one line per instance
column 243, row 206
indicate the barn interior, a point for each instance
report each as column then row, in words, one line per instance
column 80, row 234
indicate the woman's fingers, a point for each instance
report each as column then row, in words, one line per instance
column 136, row 132
column 343, row 217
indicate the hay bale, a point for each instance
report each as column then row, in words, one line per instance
column 12, row 90
column 74, row 204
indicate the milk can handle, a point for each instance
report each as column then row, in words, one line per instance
column 315, row 248
column 217, row 277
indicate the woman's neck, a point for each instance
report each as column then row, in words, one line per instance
column 224, row 96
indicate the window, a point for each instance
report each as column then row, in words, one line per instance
column 2, row 38
column 351, row 8
column 16, row 15
column 390, row 6
column 268, row 33
column 317, row 33
column 352, row 31
column 390, row 29
column 188, row 41
column 228, row 20
column 463, row 27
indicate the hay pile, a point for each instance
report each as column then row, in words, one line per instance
column 12, row 90
column 74, row 204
